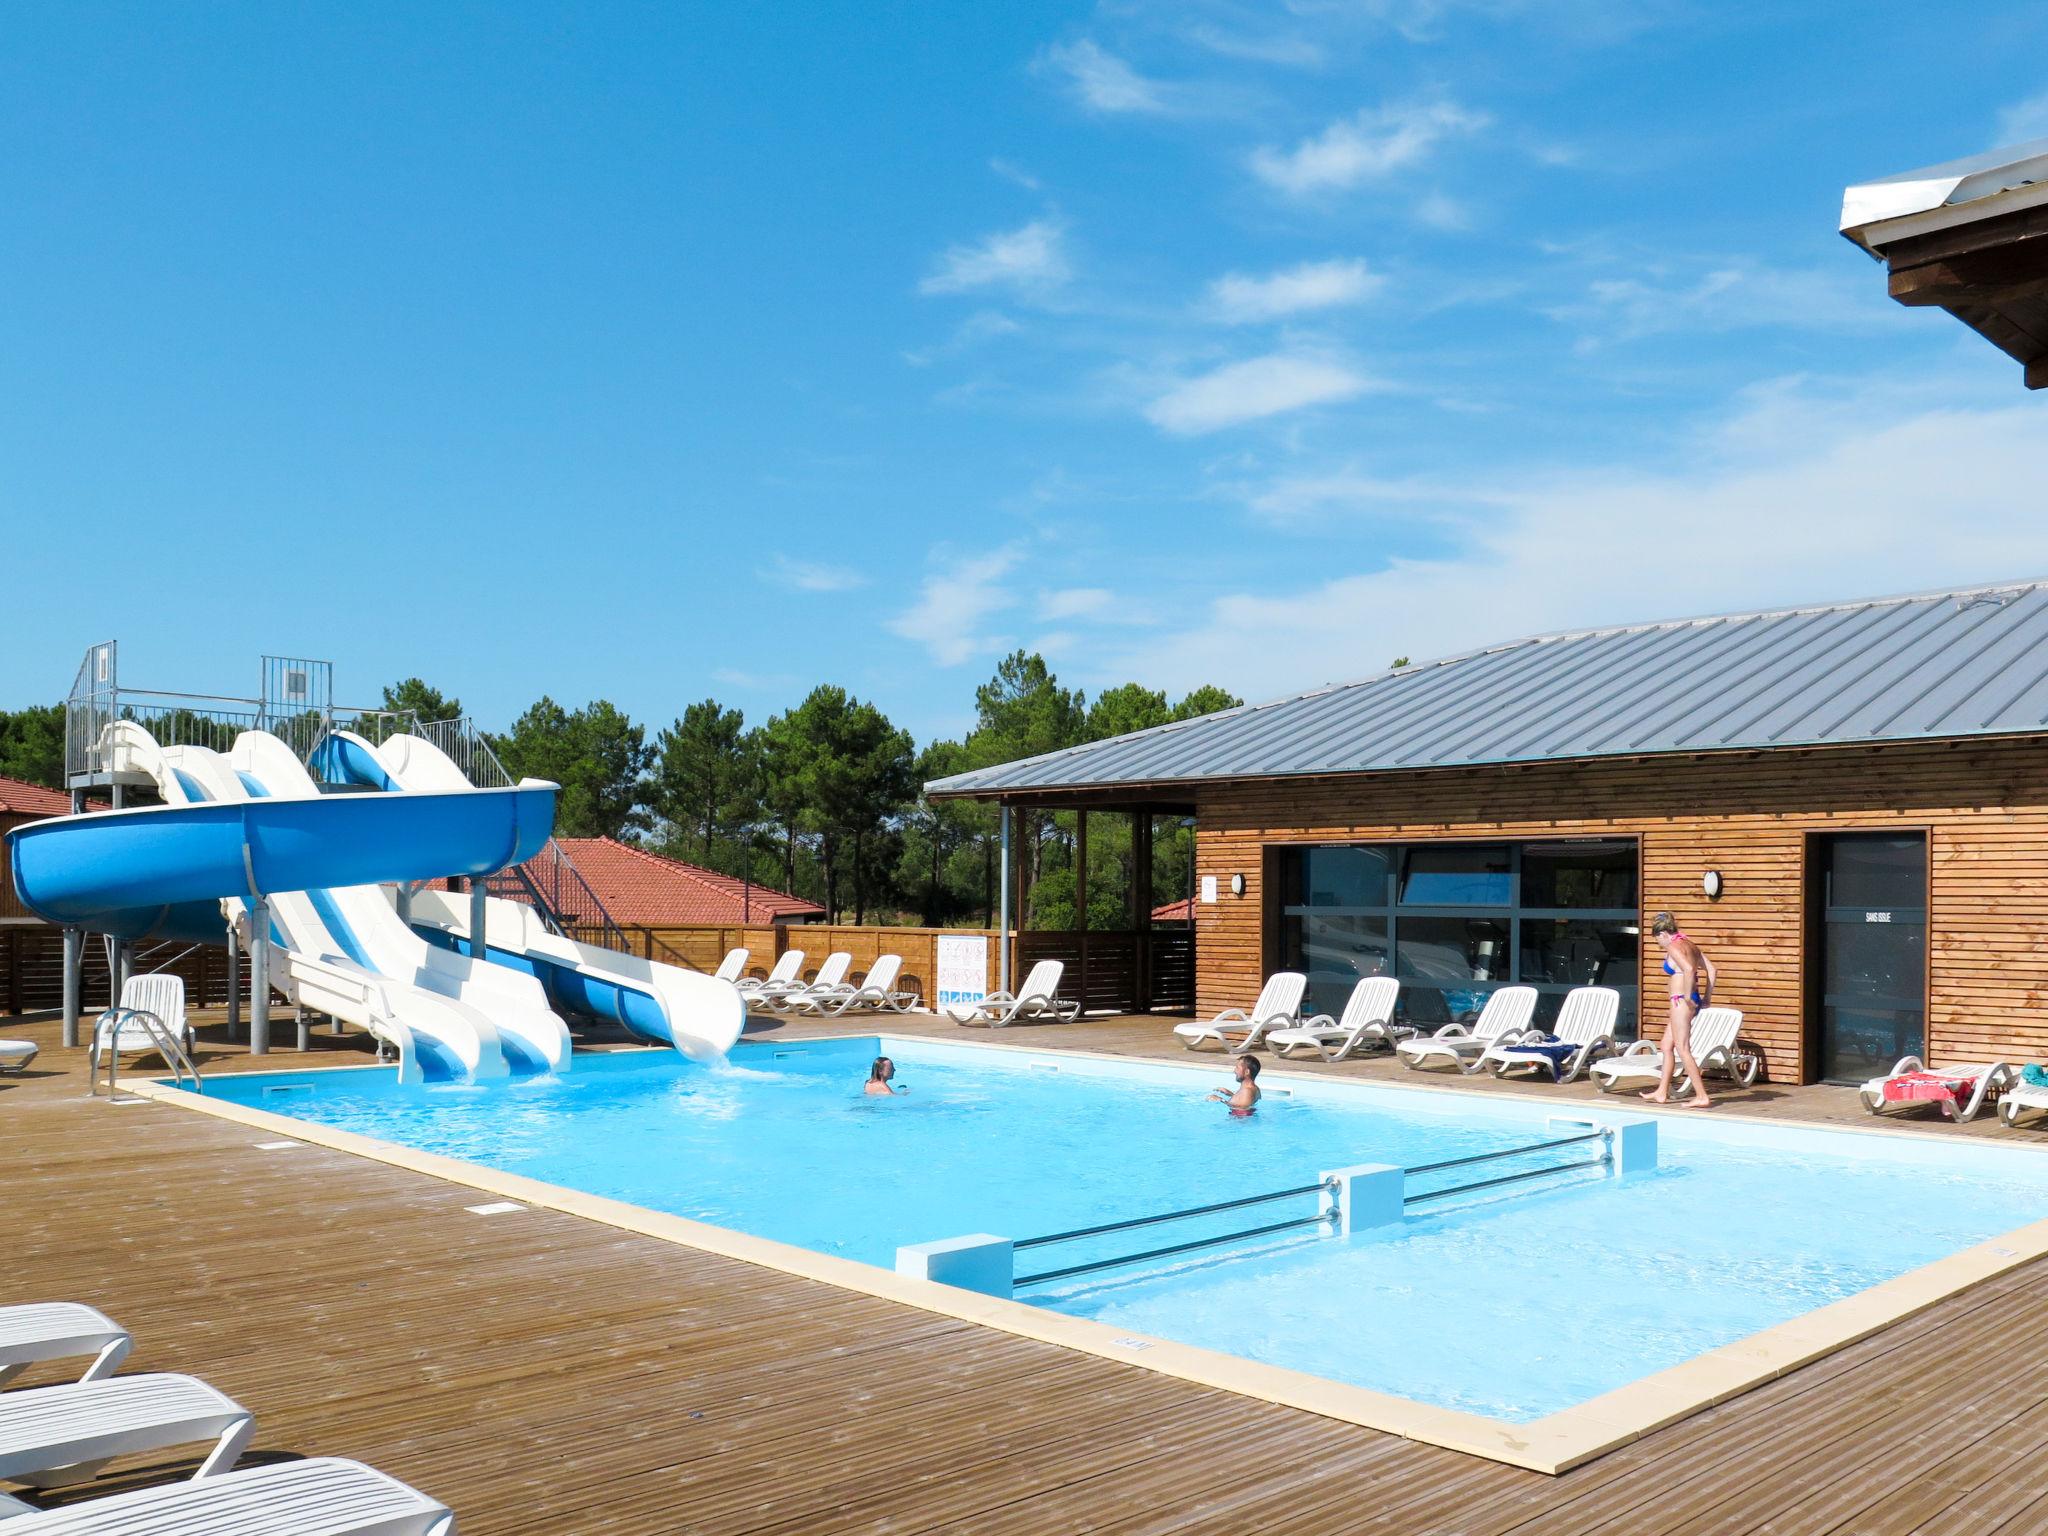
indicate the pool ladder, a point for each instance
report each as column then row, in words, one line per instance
column 161, row 1038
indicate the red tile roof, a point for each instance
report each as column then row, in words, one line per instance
column 1182, row 911
column 20, row 798
column 646, row 889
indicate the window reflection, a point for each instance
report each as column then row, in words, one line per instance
column 1457, row 875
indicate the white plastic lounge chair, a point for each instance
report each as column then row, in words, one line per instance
column 2021, row 1099
column 1958, row 1092
column 732, row 967
column 161, row 994
column 16, row 1054
column 876, row 993
column 1713, row 1047
column 323, row 1496
column 787, row 969
column 1236, row 1031
column 1504, row 1018
column 830, row 978
column 54, row 1436
column 1038, row 998
column 1585, row 1024
column 60, row 1330
column 1368, row 1021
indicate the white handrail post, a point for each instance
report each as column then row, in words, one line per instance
column 259, row 977
column 1003, row 931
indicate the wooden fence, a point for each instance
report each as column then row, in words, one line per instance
column 32, row 970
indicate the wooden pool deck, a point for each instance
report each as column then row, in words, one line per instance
column 544, row 1373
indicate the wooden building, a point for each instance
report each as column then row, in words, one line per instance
column 1846, row 805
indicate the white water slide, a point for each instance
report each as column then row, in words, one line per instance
column 699, row 1015
column 344, row 951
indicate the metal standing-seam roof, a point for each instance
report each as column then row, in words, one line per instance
column 1934, row 665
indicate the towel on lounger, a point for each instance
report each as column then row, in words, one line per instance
column 1928, row 1087
column 2034, row 1075
column 1553, row 1050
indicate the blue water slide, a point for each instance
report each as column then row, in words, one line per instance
column 121, row 866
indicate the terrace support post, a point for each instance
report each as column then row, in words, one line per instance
column 1003, row 919
column 234, row 984
column 1367, row 1195
column 259, row 977
column 1081, row 896
column 74, row 957
column 479, row 945
column 1141, row 906
column 976, row 1263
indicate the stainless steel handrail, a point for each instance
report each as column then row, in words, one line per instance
column 1319, row 1219
column 1193, row 1210
column 1488, row 1157
column 161, row 1036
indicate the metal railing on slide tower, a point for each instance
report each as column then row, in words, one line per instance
column 296, row 704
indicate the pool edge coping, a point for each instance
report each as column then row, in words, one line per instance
column 1551, row 1444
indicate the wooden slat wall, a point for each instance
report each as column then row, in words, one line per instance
column 1983, row 804
column 32, row 969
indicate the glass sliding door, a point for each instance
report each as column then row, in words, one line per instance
column 1868, row 981
column 1456, row 921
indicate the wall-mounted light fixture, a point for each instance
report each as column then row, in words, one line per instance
column 1237, row 885
column 1710, row 882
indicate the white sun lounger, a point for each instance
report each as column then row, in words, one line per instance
column 732, row 967
column 1977, row 1086
column 16, row 1054
column 1504, row 1018
column 1236, row 1031
column 831, row 976
column 2022, row 1098
column 784, row 974
column 60, row 1330
column 1038, row 998
column 1368, row 1021
column 876, row 993
column 324, row 1496
column 53, row 1436
column 160, row 994
column 1585, row 1023
column 1713, row 1047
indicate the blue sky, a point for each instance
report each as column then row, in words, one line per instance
column 661, row 351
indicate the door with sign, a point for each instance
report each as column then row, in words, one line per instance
column 1867, row 962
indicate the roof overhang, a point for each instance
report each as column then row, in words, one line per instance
column 1970, row 237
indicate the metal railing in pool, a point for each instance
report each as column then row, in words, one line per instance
column 1601, row 1134
column 1321, row 1218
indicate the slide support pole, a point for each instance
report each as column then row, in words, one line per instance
column 259, row 977
column 478, row 948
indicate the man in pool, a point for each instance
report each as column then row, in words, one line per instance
column 878, row 1078
column 1246, row 1098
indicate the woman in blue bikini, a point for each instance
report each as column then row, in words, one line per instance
column 1692, row 988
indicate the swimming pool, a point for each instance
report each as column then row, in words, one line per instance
column 1514, row 1303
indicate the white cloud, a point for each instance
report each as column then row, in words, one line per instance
column 983, row 325
column 1366, row 146
column 1277, row 48
column 1796, row 499
column 1293, row 500
column 1732, row 296
column 807, row 576
column 1103, row 82
column 1238, row 298
column 2024, row 120
column 1075, row 603
column 1254, row 388
column 1030, row 258
column 1441, row 212
column 1009, row 170
column 954, row 603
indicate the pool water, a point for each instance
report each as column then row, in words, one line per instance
column 1512, row 1303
